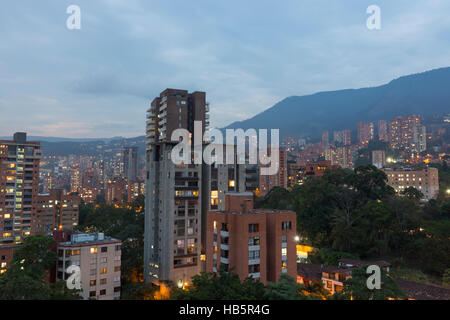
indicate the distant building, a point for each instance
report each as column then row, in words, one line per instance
column 343, row 137
column 379, row 158
column 255, row 243
column 19, row 187
column 419, row 139
column 130, row 163
column 401, row 132
column 116, row 190
column 57, row 210
column 383, row 131
column 99, row 259
column 325, row 139
column 280, row 179
column 426, row 180
column 366, row 133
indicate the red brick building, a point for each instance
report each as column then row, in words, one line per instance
column 252, row 242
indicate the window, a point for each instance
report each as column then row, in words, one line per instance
column 93, row 250
column 93, row 283
column 104, row 260
column 253, row 241
column 103, row 271
column 254, row 254
column 253, row 268
column 76, row 252
column 103, row 281
column 104, row 249
column 103, row 292
column 117, row 269
column 93, row 272
column 116, row 289
column 286, row 225
column 92, row 294
column 254, row 227
column 118, row 247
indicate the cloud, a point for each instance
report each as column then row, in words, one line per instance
column 99, row 81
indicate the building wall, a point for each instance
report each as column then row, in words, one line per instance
column 426, row 181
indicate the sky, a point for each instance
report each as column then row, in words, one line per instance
column 98, row 81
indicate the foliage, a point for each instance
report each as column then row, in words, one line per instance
column 26, row 278
column 224, row 286
column 356, row 287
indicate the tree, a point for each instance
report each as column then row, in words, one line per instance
column 446, row 278
column 412, row 193
column 356, row 287
column 285, row 289
column 26, row 278
column 224, row 286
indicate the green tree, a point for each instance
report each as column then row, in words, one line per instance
column 26, row 278
column 285, row 289
column 356, row 287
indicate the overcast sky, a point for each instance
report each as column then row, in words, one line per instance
column 247, row 55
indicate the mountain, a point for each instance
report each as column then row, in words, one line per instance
column 56, row 139
column 426, row 93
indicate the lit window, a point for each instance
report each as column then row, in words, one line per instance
column 93, row 250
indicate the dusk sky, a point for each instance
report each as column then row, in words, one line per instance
column 247, row 55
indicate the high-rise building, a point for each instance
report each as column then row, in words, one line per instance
column 325, row 139
column 57, row 210
column 99, row 259
column 116, row 190
column 130, row 163
column 419, row 139
column 255, row 243
column 343, row 137
column 280, row 179
column 378, row 158
column 173, row 209
column 366, row 133
column 19, row 187
column 401, row 132
column 383, row 131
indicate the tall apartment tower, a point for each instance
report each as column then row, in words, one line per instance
column 383, row 131
column 130, row 163
column 280, row 179
column 173, row 209
column 401, row 132
column 19, row 187
column 365, row 132
column 57, row 210
column 343, row 137
column 419, row 139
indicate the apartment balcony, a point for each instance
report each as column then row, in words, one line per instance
column 284, row 245
column 255, row 275
column 254, row 261
column 254, row 248
column 224, row 247
column 224, row 260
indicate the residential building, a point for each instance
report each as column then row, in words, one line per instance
column 425, row 180
column 99, row 259
column 173, row 209
column 254, row 242
column 280, row 179
column 57, row 210
column 366, row 133
column 383, row 131
column 19, row 187
column 401, row 132
column 379, row 158
column 342, row 137
column 130, row 163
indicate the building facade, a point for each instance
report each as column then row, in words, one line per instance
column 255, row 243
column 19, row 187
column 425, row 180
column 99, row 259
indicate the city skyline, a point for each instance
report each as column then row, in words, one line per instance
column 228, row 53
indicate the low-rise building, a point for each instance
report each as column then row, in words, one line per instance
column 99, row 259
column 255, row 243
column 425, row 180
